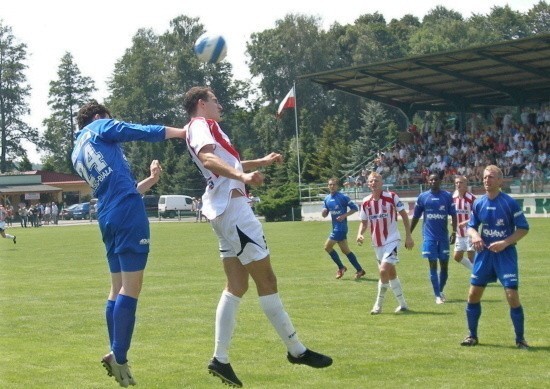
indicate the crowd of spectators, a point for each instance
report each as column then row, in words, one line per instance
column 518, row 144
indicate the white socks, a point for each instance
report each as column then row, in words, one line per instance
column 226, row 314
column 395, row 286
column 382, row 288
column 275, row 312
column 467, row 264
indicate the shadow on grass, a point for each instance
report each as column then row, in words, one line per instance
column 411, row 312
column 511, row 346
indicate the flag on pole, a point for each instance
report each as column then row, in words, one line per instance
column 288, row 102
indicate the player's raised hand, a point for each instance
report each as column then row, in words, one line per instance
column 155, row 168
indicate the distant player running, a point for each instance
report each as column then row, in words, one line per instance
column 379, row 210
column 503, row 224
column 337, row 204
column 3, row 216
column 463, row 201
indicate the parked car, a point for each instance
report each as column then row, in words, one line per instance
column 173, row 205
column 151, row 203
column 82, row 211
column 67, row 213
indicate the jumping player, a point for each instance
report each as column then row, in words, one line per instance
column 98, row 158
column 242, row 245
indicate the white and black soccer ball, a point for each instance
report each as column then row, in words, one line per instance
column 210, row 48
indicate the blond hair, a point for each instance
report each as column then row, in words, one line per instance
column 494, row 169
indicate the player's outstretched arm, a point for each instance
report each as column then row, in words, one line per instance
column 265, row 161
column 218, row 166
column 173, row 132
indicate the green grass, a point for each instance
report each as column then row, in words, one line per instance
column 54, row 282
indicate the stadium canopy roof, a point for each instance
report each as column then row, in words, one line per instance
column 512, row 73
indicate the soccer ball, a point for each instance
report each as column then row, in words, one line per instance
column 210, row 48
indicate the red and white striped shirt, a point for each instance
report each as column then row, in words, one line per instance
column 463, row 207
column 381, row 215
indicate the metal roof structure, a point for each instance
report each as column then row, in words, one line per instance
column 512, row 73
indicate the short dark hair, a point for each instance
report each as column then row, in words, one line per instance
column 87, row 112
column 192, row 97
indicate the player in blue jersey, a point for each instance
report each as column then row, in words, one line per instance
column 98, row 158
column 503, row 224
column 337, row 204
column 436, row 205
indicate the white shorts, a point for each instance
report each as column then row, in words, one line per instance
column 387, row 253
column 239, row 232
column 2, row 225
column 464, row 243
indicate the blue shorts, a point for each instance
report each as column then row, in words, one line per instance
column 489, row 266
column 338, row 236
column 125, row 232
column 436, row 249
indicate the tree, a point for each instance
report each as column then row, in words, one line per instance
column 67, row 94
column 333, row 150
column 372, row 139
column 538, row 18
column 14, row 91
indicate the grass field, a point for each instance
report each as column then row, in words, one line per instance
column 54, row 282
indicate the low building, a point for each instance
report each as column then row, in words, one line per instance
column 39, row 186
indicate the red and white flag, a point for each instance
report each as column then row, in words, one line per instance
column 288, row 102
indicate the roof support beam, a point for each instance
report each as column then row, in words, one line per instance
column 497, row 87
column 526, row 68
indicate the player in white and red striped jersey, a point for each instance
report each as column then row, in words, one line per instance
column 379, row 212
column 463, row 201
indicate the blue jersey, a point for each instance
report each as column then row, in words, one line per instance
column 500, row 217
column 436, row 207
column 338, row 204
column 98, row 158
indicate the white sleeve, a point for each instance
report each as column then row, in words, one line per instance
column 199, row 135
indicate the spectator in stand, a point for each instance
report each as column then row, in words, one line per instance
column 538, row 179
column 526, row 182
column 542, row 157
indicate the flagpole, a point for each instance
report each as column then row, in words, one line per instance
column 297, row 142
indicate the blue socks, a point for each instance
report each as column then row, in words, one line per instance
column 443, row 276
column 334, row 255
column 353, row 260
column 434, row 278
column 124, row 319
column 516, row 314
column 109, row 316
column 473, row 312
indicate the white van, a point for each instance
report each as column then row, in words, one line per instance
column 174, row 205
